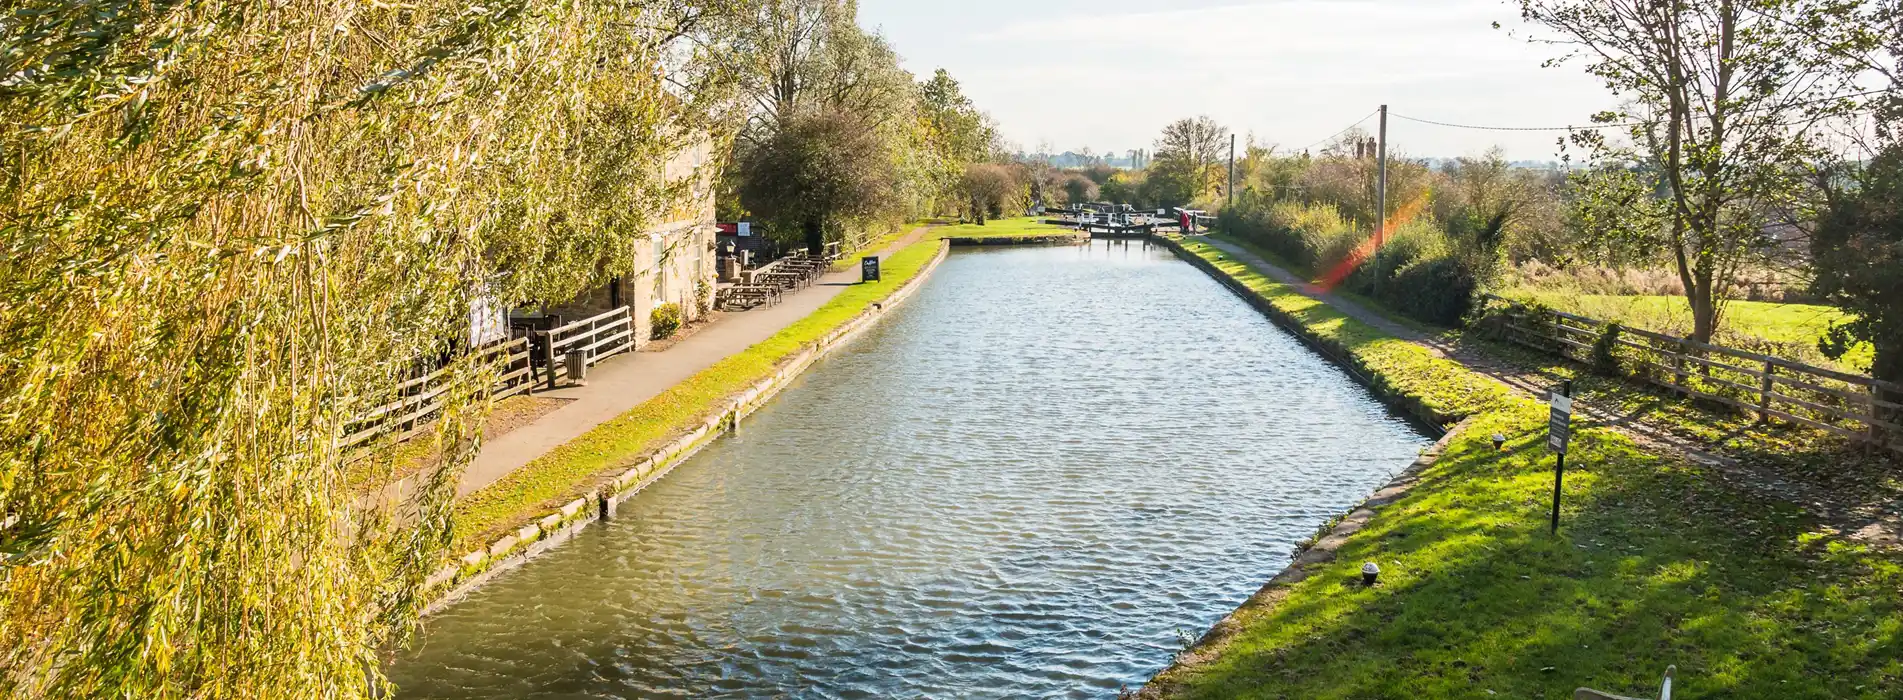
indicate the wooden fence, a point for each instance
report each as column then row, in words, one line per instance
column 522, row 363
column 1854, row 406
column 594, row 338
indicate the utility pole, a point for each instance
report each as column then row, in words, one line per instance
column 1381, row 200
column 1232, row 169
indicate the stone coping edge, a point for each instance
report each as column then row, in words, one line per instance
column 453, row 581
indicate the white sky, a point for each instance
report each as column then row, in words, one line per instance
column 1290, row 71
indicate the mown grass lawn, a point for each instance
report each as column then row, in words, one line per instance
column 1002, row 228
column 573, row 468
column 1658, row 562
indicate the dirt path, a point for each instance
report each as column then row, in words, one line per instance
column 1865, row 510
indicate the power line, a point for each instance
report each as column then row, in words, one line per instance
column 1512, row 128
column 1622, row 125
column 1350, row 127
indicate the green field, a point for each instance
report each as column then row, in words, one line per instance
column 1659, row 562
column 1786, row 330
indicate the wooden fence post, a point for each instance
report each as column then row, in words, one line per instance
column 548, row 356
column 1679, row 375
column 1875, row 434
column 1765, row 392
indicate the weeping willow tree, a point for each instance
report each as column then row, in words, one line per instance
column 227, row 227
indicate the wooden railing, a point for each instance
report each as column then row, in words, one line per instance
column 1855, row 406
column 420, row 398
column 596, row 338
column 523, row 363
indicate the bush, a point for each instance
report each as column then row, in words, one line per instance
column 1438, row 290
column 1605, row 351
column 665, row 321
column 704, row 297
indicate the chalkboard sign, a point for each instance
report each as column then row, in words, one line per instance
column 1559, row 429
column 869, row 268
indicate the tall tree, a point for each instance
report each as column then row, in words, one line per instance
column 230, row 229
column 1725, row 100
column 1858, row 250
column 1188, row 155
column 807, row 63
column 956, row 132
column 818, row 172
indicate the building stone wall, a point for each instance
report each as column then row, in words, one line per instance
column 674, row 261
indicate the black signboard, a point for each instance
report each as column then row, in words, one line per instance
column 1559, row 432
column 869, row 268
column 1559, row 427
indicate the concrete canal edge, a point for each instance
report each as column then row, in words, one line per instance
column 453, row 581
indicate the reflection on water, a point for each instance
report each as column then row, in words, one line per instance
column 1030, row 482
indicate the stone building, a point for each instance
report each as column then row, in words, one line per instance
column 675, row 262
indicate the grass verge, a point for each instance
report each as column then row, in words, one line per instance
column 572, row 469
column 1658, row 562
column 1020, row 227
column 1445, row 390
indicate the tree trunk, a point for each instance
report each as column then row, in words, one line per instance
column 1704, row 318
column 815, row 236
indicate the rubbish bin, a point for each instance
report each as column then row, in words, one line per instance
column 577, row 361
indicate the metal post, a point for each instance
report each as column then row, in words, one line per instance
column 1559, row 465
column 1232, row 169
column 1381, row 197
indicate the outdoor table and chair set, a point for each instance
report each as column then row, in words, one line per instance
column 766, row 284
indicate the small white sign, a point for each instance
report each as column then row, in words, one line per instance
column 746, row 228
column 1563, row 404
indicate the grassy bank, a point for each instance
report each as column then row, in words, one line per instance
column 572, row 469
column 1447, row 390
column 1658, row 562
column 1021, row 227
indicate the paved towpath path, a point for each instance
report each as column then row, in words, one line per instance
column 627, row 380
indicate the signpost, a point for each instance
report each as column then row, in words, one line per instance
column 1559, row 433
column 869, row 268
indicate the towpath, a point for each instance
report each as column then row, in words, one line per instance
column 625, row 381
column 1861, row 513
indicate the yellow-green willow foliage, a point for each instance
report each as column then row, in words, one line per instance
column 226, row 227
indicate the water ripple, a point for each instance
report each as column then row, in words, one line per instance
column 1024, row 484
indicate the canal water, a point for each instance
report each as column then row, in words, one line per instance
column 1037, row 479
